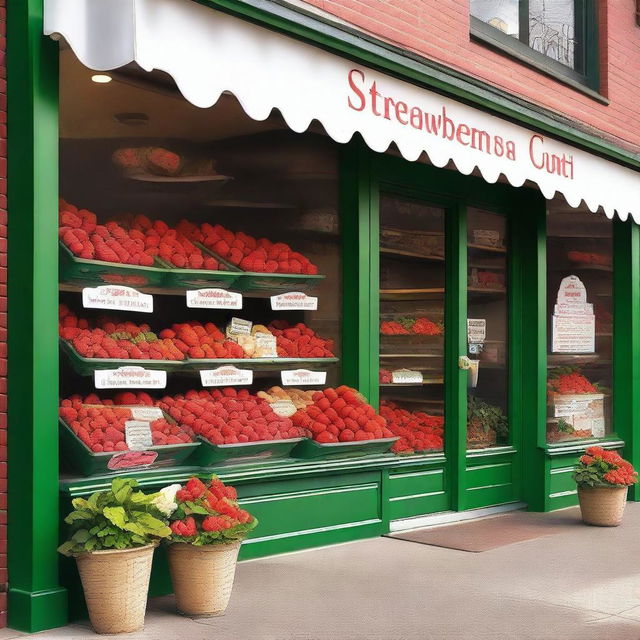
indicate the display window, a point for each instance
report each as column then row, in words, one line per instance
column 580, row 325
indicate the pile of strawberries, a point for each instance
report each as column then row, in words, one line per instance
column 299, row 341
column 569, row 381
column 385, row 376
column 341, row 415
column 490, row 279
column 122, row 341
column 410, row 326
column 584, row 257
column 244, row 251
column 196, row 340
column 228, row 416
column 418, row 431
column 102, row 428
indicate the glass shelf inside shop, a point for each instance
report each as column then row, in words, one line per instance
column 412, row 291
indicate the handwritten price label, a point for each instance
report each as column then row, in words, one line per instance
column 130, row 378
column 298, row 377
column 225, row 376
column 116, row 297
column 148, row 414
column 213, row 299
column 294, row 301
column 137, row 435
column 406, row 376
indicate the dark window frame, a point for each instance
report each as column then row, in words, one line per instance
column 586, row 58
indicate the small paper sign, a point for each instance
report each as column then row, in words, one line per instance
column 130, row 459
column 266, row 346
column 406, row 376
column 239, row 327
column 130, row 378
column 283, row 408
column 148, row 414
column 116, row 297
column 486, row 237
column 476, row 330
column 213, row 299
column 574, row 324
column 298, row 377
column 137, row 435
column 294, row 301
column 225, row 376
column 569, row 407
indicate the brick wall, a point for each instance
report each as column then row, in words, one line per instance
column 3, row 317
column 439, row 31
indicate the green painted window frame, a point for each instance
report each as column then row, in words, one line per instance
column 587, row 76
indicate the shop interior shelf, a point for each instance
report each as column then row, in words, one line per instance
column 311, row 449
column 409, row 255
column 209, row 454
column 276, row 282
column 591, row 359
column 87, row 273
column 247, row 204
column 484, row 247
column 179, row 180
column 487, row 290
column 387, row 356
column 77, row 455
column 413, row 384
column 411, row 294
column 86, row 366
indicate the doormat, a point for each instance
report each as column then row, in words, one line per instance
column 493, row 532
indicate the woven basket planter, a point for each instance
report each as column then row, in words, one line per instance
column 115, row 584
column 202, row 577
column 602, row 506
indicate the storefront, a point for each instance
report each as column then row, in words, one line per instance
column 452, row 259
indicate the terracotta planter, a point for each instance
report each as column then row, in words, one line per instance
column 115, row 584
column 602, row 506
column 202, row 577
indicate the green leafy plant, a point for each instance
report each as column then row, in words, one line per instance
column 564, row 426
column 600, row 467
column 209, row 514
column 120, row 518
column 488, row 416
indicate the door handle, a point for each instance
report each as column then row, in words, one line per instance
column 464, row 363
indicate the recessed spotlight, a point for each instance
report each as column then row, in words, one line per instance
column 101, row 78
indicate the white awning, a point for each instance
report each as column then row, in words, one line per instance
column 208, row 52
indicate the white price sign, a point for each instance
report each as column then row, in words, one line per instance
column 130, row 378
column 213, row 299
column 137, row 435
column 283, row 408
column 148, row 414
column 266, row 345
column 476, row 330
column 225, row 376
column 116, row 297
column 299, row 377
column 294, row 301
column 406, row 376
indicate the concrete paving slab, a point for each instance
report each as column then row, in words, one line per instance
column 583, row 583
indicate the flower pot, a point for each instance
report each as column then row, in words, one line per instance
column 115, row 584
column 602, row 506
column 202, row 577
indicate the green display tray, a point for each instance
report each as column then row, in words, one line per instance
column 260, row 364
column 81, row 272
column 88, row 463
column 309, row 449
column 277, row 282
column 209, row 454
column 86, row 366
column 201, row 278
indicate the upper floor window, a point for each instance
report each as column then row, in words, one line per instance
column 558, row 35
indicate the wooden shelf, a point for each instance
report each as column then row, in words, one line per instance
column 410, row 255
column 410, row 294
column 485, row 290
column 563, row 359
column 482, row 247
column 410, row 355
column 578, row 266
column 412, row 384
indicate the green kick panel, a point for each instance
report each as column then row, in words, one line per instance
column 488, row 484
column 415, row 493
column 561, row 489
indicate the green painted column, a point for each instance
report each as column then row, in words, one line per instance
column 626, row 340
column 36, row 601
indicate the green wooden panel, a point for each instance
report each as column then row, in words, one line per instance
column 487, row 475
column 488, row 496
column 305, row 510
column 561, row 481
column 562, row 500
column 417, row 505
column 414, row 482
column 564, row 461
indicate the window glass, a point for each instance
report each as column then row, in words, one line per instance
column 501, row 14
column 580, row 325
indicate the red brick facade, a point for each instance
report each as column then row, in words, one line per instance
column 3, row 318
column 439, row 31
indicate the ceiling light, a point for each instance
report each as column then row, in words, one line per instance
column 101, row 78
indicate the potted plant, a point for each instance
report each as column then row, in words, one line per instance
column 603, row 477
column 207, row 528
column 485, row 423
column 112, row 535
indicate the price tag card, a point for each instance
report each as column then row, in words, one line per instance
column 130, row 378
column 569, row 407
column 298, row 377
column 406, row 376
column 137, row 435
column 148, row 414
column 283, row 408
column 239, row 327
column 266, row 345
column 476, row 330
column 213, row 299
column 294, row 301
column 116, row 297
column 226, row 376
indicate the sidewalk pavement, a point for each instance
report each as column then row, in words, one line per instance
column 579, row 585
